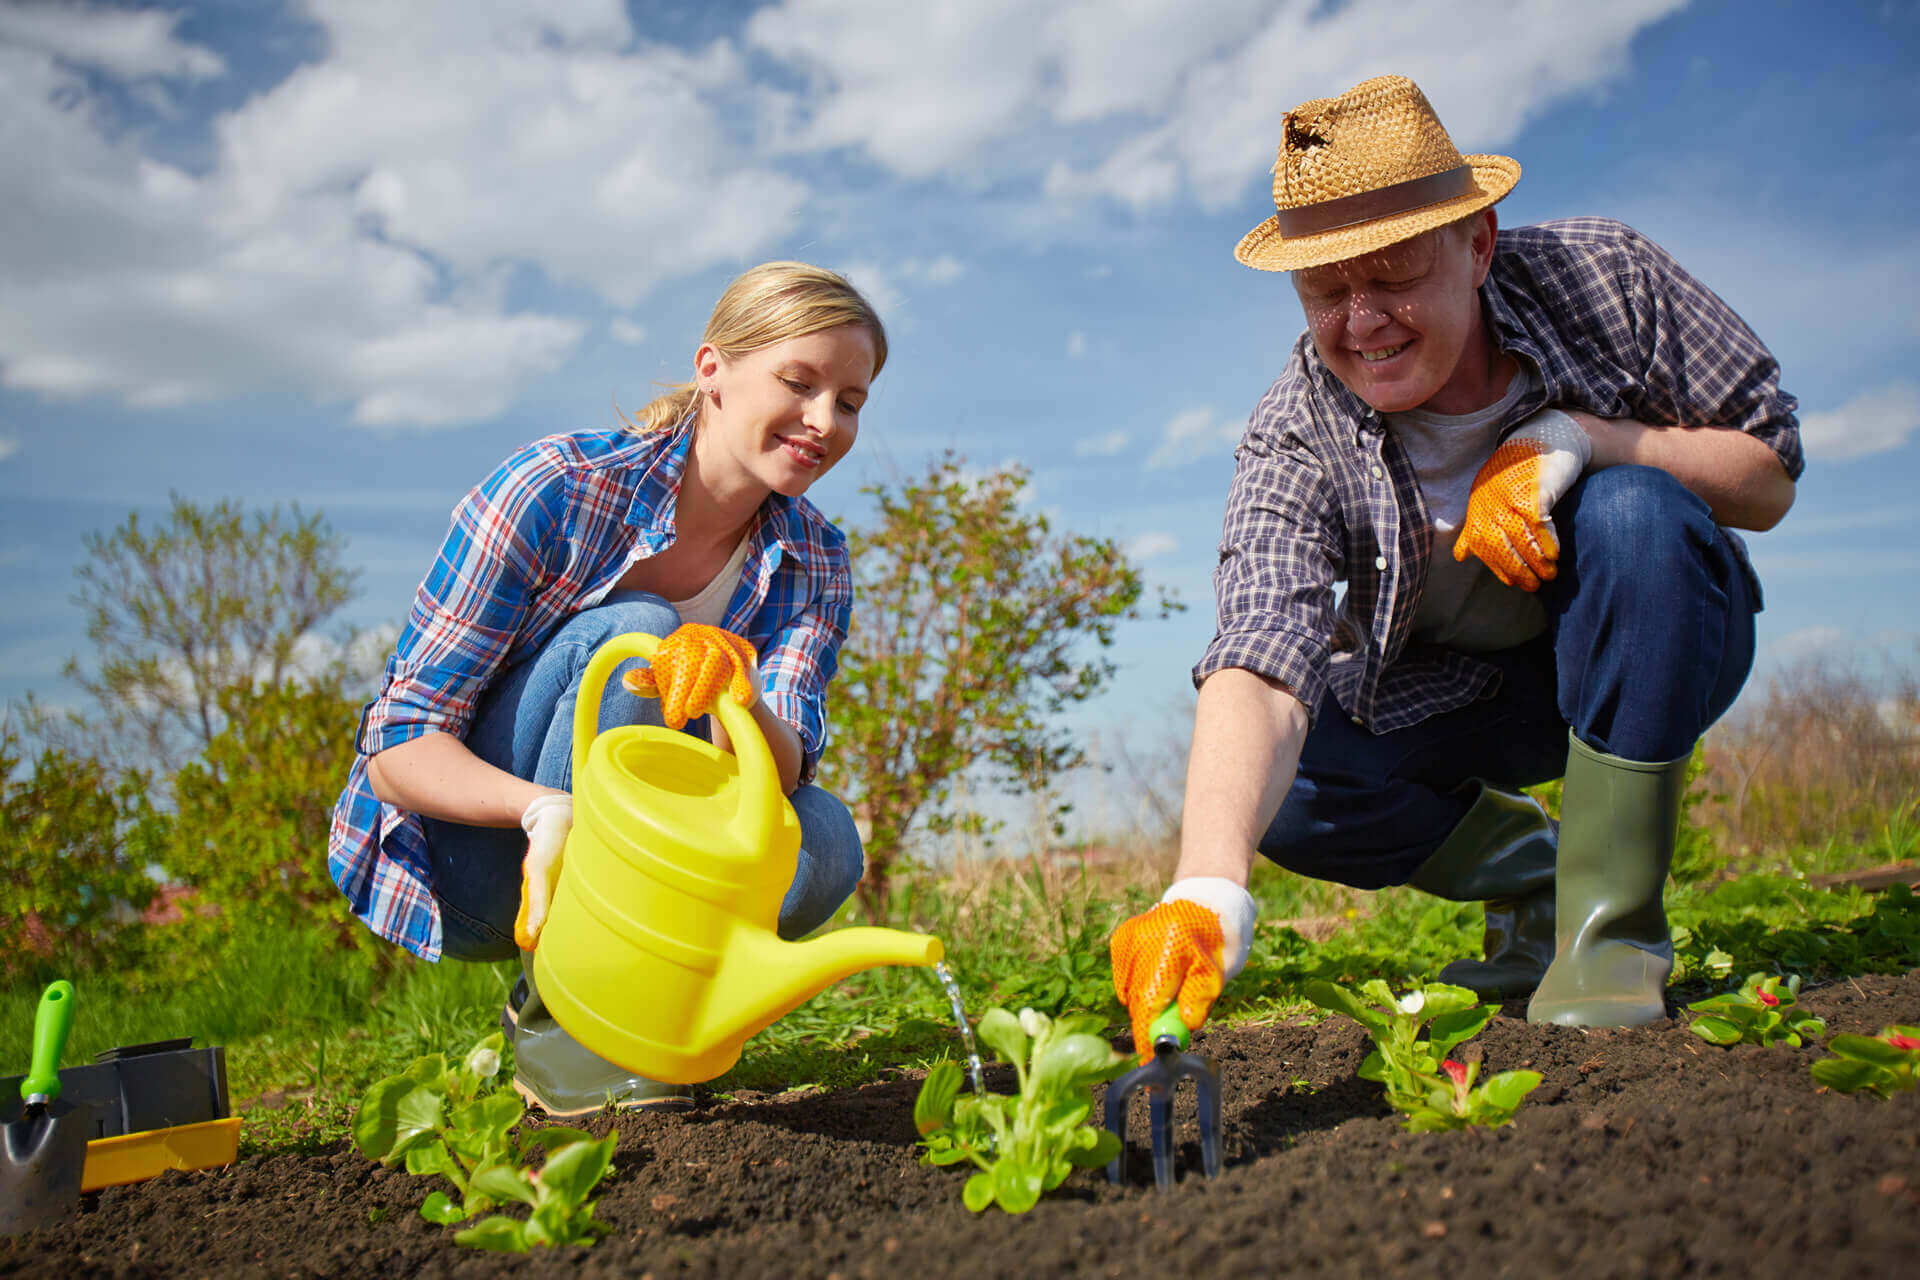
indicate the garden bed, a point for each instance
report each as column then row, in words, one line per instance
column 1644, row 1153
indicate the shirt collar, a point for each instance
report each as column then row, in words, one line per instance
column 657, row 492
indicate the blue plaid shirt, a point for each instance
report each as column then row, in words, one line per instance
column 1322, row 492
column 547, row 534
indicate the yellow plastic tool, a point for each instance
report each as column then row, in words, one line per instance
column 135, row 1157
column 659, row 952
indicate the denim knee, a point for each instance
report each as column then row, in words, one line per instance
column 621, row 612
column 1634, row 519
column 830, row 865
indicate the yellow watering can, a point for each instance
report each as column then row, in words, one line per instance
column 659, row 951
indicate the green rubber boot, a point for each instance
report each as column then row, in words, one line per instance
column 564, row 1078
column 1500, row 854
column 1618, row 821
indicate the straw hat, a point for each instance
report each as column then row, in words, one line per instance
column 1367, row 169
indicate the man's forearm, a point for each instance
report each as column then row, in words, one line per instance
column 1740, row 478
column 1247, row 735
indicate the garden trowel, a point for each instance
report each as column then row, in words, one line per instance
column 43, row 1152
column 1159, row 1078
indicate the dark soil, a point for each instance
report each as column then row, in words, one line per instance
column 1645, row 1153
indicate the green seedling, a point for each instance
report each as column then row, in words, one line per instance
column 1882, row 1065
column 1422, row 1082
column 457, row 1122
column 1022, row 1145
column 1761, row 1012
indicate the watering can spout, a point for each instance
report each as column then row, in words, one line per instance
column 744, row 1000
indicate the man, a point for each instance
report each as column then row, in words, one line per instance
column 1522, row 452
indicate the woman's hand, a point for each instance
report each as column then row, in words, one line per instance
column 547, row 822
column 689, row 667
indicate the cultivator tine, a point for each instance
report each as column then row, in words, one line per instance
column 1160, row 1078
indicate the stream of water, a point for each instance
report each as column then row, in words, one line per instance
column 945, row 975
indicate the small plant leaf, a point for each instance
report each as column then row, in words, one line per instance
column 1717, row 1030
column 1017, row 1185
column 498, row 1233
column 1000, row 1031
column 978, row 1193
column 933, row 1109
column 441, row 1211
column 571, row 1172
column 1509, row 1087
column 1071, row 1060
column 1845, row 1074
column 1105, row 1147
column 503, row 1182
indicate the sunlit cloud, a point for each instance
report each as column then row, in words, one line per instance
column 1192, row 435
column 625, row 331
column 1867, row 424
column 1148, row 545
column 1076, row 344
column 1102, row 446
column 8, row 447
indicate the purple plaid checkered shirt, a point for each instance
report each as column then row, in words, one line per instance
column 1322, row 492
column 550, row 532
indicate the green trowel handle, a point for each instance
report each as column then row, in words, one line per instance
column 1169, row 1024
column 50, row 1027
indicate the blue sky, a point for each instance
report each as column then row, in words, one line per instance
column 351, row 254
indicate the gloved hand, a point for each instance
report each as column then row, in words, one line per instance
column 1186, row 948
column 688, row 669
column 1509, row 521
column 547, row 820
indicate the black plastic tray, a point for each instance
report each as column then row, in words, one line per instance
column 135, row 1088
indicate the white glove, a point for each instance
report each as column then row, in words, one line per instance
column 1509, row 521
column 547, row 820
column 1233, row 904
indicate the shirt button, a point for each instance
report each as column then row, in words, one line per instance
column 1377, row 473
column 1379, row 562
column 1360, row 722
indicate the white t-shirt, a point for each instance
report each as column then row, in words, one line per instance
column 710, row 605
column 1464, row 606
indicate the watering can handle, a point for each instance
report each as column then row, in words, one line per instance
column 761, row 797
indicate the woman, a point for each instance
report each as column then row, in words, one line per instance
column 693, row 515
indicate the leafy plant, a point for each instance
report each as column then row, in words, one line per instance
column 1422, row 1082
column 978, row 625
column 1026, row 1144
column 455, row 1122
column 1882, row 1065
column 1761, row 1012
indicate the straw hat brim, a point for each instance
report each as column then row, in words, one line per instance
column 1265, row 249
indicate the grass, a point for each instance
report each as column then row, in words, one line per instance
column 308, row 1027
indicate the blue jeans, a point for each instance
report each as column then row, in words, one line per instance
column 524, row 725
column 1649, row 638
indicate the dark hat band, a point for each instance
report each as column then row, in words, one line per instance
column 1384, row 202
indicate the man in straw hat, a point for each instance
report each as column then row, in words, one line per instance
column 1522, row 451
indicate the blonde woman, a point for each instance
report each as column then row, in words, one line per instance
column 691, row 519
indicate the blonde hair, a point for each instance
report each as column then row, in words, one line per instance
column 770, row 303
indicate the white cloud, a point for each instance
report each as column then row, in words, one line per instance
column 1867, row 424
column 1192, row 435
column 1106, row 446
column 1076, row 344
column 1148, row 545
column 626, row 331
column 1171, row 105
column 876, row 284
column 8, row 447
column 121, row 42
column 352, row 237
column 944, row 269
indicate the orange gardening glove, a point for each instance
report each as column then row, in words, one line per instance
column 1172, row 951
column 1509, row 521
column 688, row 669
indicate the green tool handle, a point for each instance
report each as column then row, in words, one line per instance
column 1169, row 1024
column 50, row 1027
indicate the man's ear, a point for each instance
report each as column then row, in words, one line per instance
column 1486, row 226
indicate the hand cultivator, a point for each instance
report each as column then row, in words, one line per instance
column 1160, row 1078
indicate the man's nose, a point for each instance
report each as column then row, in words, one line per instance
column 1365, row 314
